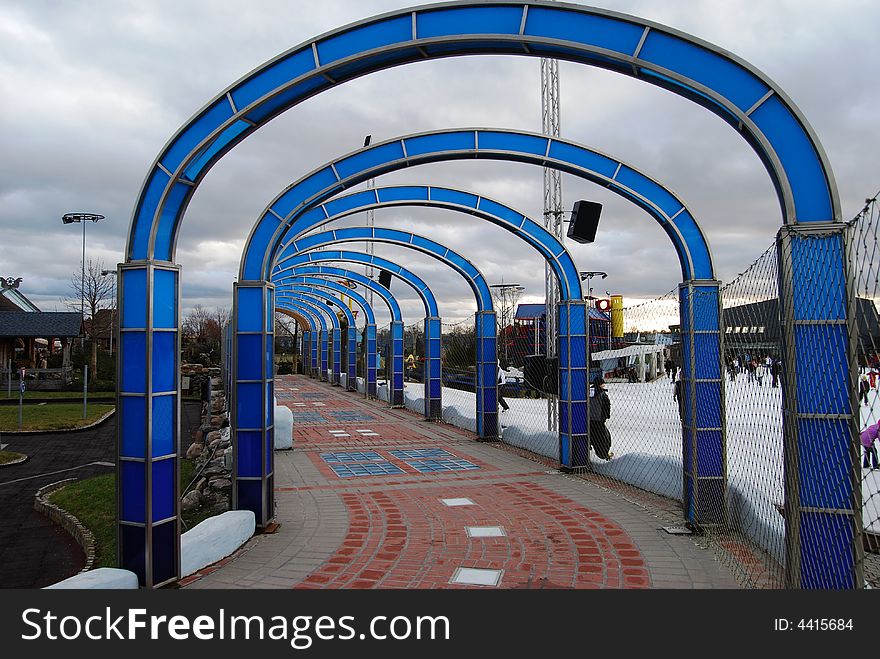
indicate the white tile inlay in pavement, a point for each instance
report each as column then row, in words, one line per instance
column 476, row 576
column 485, row 531
column 460, row 501
column 319, row 404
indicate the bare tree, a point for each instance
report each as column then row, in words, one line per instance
column 92, row 294
column 202, row 330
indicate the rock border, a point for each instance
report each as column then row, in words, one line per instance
column 23, row 433
column 83, row 536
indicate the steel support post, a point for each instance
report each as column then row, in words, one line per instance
column 396, row 393
column 704, row 437
column 148, row 427
column 486, row 384
column 571, row 348
column 253, row 399
column 823, row 496
column 432, row 370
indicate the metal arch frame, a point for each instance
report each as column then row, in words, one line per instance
column 307, row 259
column 319, row 326
column 323, row 311
column 327, row 274
column 462, row 201
column 335, row 339
column 309, row 283
column 486, row 385
column 433, row 331
column 307, row 327
column 303, row 321
column 407, row 239
column 692, row 68
column 308, row 196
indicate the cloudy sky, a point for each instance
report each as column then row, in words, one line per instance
column 93, row 89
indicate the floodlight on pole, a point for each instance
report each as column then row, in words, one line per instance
column 82, row 218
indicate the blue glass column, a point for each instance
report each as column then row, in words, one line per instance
column 371, row 361
column 148, row 426
column 823, row 496
column 487, row 376
column 306, row 351
column 571, row 323
column 397, row 395
column 315, row 360
column 704, row 452
column 324, row 357
column 432, row 378
column 253, row 407
column 336, row 347
column 351, row 352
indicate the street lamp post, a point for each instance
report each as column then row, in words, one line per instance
column 82, row 218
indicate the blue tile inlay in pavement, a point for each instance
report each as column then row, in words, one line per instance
column 351, row 415
column 308, row 417
column 421, row 454
column 365, row 469
column 431, row 466
column 352, row 456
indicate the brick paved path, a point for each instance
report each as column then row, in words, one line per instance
column 363, row 501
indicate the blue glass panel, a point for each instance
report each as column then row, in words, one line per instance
column 164, row 476
column 826, row 380
column 195, row 131
column 164, row 299
column 404, row 192
column 513, row 142
column 307, row 220
column 133, row 543
column 133, row 425
column 250, row 306
column 305, row 189
column 259, row 244
column 649, row 189
column 500, row 211
column 470, row 20
column 249, row 405
column 454, row 197
column 705, row 67
column 819, row 292
column 578, row 416
column 249, row 454
column 827, row 557
column 434, row 143
column 270, row 310
column 164, row 354
column 250, row 357
column 270, row 351
column 250, row 497
column 164, row 425
column 134, row 303
column 362, row 161
column 601, row 31
column 696, row 245
column 145, row 212
column 684, row 309
column 708, row 404
column 709, row 454
column 824, row 463
column 222, row 141
column 270, row 452
column 583, row 158
column 367, row 37
column 578, row 349
column 134, row 357
column 272, row 77
column 166, row 547
column 707, row 353
column 804, row 169
column 134, row 507
column 174, row 202
column 577, row 322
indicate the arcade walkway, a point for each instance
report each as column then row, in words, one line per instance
column 377, row 498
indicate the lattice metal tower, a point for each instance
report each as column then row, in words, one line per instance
column 552, row 210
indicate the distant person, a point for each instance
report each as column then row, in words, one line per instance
column 760, row 372
column 864, row 388
column 667, row 366
column 774, row 372
column 600, row 412
column 678, row 395
column 501, row 380
column 869, row 438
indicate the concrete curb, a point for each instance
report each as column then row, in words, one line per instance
column 28, row 433
column 23, row 458
column 83, row 536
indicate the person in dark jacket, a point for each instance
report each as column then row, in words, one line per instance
column 600, row 412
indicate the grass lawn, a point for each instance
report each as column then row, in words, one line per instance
column 54, row 416
column 9, row 456
column 93, row 502
column 75, row 395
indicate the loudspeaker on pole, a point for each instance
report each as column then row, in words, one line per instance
column 584, row 221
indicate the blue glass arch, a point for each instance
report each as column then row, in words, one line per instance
column 326, row 272
column 305, row 321
column 309, row 283
column 726, row 85
column 305, row 203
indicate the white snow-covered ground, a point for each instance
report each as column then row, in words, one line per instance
column 647, row 445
